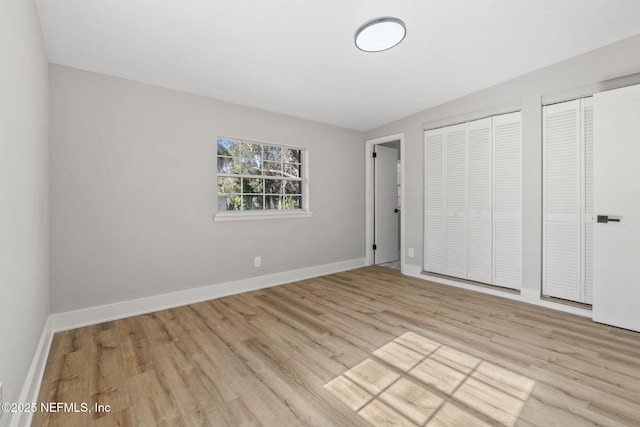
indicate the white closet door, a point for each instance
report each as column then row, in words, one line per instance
column 456, row 201
column 434, row 201
column 588, row 217
column 479, row 256
column 561, row 201
column 616, row 186
column 507, row 211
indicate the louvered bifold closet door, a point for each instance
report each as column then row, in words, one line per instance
column 588, row 217
column 561, row 251
column 456, row 201
column 434, row 201
column 479, row 167
column 507, row 211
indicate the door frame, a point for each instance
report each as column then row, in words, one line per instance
column 369, row 196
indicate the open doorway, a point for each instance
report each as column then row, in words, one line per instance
column 384, row 216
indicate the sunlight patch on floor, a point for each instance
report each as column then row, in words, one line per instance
column 414, row 380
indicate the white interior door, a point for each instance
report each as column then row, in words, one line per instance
column 479, row 201
column 567, row 218
column 455, row 242
column 562, row 201
column 507, row 200
column 587, row 213
column 386, row 205
column 616, row 194
column 434, row 201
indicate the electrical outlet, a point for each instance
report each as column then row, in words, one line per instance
column 257, row 261
column 410, row 251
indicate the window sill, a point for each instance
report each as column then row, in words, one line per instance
column 247, row 216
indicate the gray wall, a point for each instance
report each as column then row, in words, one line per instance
column 24, row 216
column 579, row 76
column 133, row 193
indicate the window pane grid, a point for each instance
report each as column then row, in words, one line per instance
column 279, row 178
column 255, row 176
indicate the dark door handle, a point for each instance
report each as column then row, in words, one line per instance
column 396, row 210
column 605, row 219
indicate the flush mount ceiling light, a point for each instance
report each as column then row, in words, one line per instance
column 380, row 34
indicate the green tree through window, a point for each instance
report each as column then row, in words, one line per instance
column 258, row 176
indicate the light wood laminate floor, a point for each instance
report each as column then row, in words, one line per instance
column 368, row 346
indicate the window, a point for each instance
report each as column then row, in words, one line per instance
column 256, row 177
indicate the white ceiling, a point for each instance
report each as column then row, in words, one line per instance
column 298, row 57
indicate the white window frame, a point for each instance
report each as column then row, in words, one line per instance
column 241, row 215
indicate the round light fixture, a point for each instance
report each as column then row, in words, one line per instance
column 380, row 34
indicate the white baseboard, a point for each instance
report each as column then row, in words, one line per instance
column 525, row 296
column 31, row 386
column 120, row 310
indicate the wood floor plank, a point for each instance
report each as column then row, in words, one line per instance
column 362, row 347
